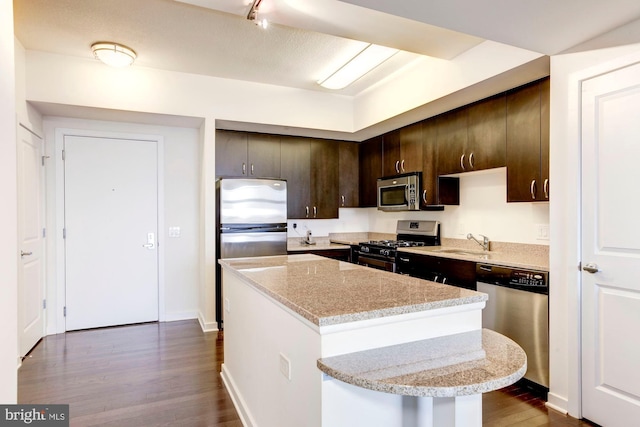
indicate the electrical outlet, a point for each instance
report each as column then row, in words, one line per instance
column 285, row 366
column 542, row 231
column 227, row 305
column 174, row 231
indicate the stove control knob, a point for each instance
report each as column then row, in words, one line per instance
column 364, row 249
column 384, row 252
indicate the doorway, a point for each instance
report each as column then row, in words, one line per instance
column 111, row 224
column 610, row 247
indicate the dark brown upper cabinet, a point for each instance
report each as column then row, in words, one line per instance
column 486, row 134
column 435, row 190
column 310, row 167
column 528, row 143
column 370, row 158
column 243, row 154
column 348, row 175
column 452, row 141
column 473, row 137
column 402, row 150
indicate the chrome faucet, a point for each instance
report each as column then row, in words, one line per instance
column 484, row 243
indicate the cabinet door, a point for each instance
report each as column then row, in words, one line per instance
column 370, row 155
column 452, row 141
column 263, row 159
column 411, row 148
column 545, row 93
column 391, row 153
column 296, row 155
column 523, row 144
column 348, row 174
column 231, row 153
column 487, row 134
column 324, row 178
column 429, row 164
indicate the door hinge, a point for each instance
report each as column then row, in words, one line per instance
column 64, row 311
column 44, row 233
column 63, row 155
column 44, row 304
column 44, row 158
column 580, row 266
column 64, row 233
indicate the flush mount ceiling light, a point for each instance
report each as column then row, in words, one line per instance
column 368, row 59
column 253, row 15
column 113, row 54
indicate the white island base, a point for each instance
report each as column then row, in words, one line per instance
column 276, row 331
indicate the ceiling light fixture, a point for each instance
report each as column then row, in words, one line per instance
column 113, row 54
column 253, row 15
column 368, row 59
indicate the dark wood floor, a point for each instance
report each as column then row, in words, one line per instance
column 167, row 374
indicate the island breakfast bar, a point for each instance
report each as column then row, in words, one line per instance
column 286, row 318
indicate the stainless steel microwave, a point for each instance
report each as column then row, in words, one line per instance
column 399, row 192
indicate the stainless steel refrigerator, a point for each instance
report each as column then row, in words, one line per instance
column 251, row 221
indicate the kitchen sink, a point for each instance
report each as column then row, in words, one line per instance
column 467, row 252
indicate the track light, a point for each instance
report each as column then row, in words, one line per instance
column 253, row 15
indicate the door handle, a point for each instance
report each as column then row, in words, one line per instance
column 591, row 268
column 397, row 166
column 151, row 241
column 533, row 189
column 342, row 199
column 22, row 253
column 462, row 162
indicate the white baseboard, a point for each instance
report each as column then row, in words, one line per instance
column 238, row 402
column 557, row 403
column 207, row 327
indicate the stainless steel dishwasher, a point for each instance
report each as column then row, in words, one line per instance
column 518, row 307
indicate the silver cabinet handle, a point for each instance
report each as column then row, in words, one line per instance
column 591, row 268
column 424, row 196
column 306, row 209
column 462, row 162
column 315, row 212
column 546, row 188
column 471, row 161
column 244, row 168
column 251, row 168
column 444, row 281
column 402, row 166
column 397, row 166
column 342, row 199
column 533, row 189
column 22, row 253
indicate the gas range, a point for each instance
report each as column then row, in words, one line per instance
column 381, row 254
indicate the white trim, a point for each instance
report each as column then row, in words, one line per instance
column 60, row 281
column 557, row 403
column 207, row 327
column 238, row 402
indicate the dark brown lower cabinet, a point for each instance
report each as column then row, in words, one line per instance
column 438, row 269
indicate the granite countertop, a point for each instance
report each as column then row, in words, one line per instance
column 534, row 257
column 327, row 292
column 294, row 244
column 455, row 365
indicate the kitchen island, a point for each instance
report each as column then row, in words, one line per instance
column 285, row 313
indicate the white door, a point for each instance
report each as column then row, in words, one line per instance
column 30, row 239
column 111, row 217
column 611, row 248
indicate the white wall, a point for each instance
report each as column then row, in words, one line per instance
column 8, row 213
column 483, row 209
column 567, row 71
column 181, row 208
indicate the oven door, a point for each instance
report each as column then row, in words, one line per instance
column 379, row 263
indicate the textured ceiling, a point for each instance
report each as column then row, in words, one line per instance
column 310, row 37
column 178, row 36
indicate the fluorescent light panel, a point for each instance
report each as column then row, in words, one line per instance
column 368, row 59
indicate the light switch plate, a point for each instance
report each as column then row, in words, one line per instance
column 542, row 231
